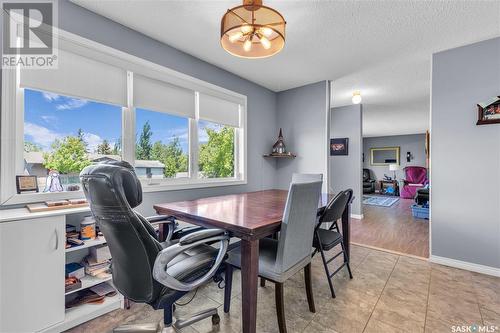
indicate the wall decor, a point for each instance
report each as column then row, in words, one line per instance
column 384, row 156
column 489, row 112
column 339, row 147
column 279, row 148
column 26, row 184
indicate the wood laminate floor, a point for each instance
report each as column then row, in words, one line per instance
column 392, row 228
column 389, row 293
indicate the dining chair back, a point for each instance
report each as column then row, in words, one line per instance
column 297, row 227
column 335, row 208
column 307, row 177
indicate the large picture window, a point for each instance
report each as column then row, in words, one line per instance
column 102, row 104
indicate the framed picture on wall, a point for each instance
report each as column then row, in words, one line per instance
column 339, row 147
column 489, row 112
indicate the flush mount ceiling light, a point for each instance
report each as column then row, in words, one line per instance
column 252, row 30
column 356, row 97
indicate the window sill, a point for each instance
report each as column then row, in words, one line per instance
column 186, row 185
column 177, row 185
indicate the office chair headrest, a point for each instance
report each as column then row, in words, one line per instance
column 113, row 176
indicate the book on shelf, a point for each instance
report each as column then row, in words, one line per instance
column 94, row 268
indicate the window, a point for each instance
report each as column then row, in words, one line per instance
column 66, row 134
column 100, row 104
column 216, row 150
column 162, row 145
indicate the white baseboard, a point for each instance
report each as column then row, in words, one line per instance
column 358, row 216
column 488, row 270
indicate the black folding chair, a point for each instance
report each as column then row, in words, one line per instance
column 327, row 239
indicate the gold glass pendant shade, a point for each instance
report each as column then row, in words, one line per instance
column 252, row 30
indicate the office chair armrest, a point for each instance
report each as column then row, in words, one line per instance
column 164, row 219
column 202, row 234
column 160, row 219
column 198, row 238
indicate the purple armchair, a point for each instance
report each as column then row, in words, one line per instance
column 416, row 178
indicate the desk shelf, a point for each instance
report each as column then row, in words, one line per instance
column 89, row 281
column 85, row 312
column 87, row 244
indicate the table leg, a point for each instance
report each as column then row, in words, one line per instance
column 249, row 278
column 346, row 229
column 162, row 232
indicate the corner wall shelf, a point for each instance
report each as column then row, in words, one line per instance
column 289, row 155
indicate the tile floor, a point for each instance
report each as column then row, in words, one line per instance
column 389, row 293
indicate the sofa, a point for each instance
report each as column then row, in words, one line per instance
column 368, row 182
column 415, row 179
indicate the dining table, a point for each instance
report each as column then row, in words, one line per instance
column 249, row 216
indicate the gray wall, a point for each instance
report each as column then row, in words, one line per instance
column 261, row 101
column 414, row 143
column 302, row 113
column 465, row 158
column 346, row 171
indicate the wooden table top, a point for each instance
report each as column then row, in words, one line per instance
column 247, row 215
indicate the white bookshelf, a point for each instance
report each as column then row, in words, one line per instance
column 85, row 312
column 43, row 299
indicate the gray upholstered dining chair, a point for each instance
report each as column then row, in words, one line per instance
column 280, row 259
column 307, row 177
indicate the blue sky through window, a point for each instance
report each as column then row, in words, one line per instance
column 49, row 116
column 164, row 127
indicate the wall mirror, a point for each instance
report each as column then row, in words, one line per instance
column 384, row 156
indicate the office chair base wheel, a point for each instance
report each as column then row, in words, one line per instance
column 215, row 320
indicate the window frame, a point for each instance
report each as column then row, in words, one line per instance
column 12, row 123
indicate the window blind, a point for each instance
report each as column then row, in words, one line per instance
column 160, row 96
column 219, row 111
column 80, row 77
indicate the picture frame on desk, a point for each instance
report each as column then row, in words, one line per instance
column 26, row 184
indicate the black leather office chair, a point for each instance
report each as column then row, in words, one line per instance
column 327, row 239
column 144, row 269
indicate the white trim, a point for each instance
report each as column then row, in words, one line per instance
column 358, row 216
column 128, row 123
column 469, row 266
column 431, row 144
column 164, row 186
column 7, row 135
column 193, row 184
column 12, row 122
column 326, row 181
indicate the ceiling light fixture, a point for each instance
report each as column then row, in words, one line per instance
column 252, row 30
column 356, row 97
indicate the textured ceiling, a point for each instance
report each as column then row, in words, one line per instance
column 382, row 48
